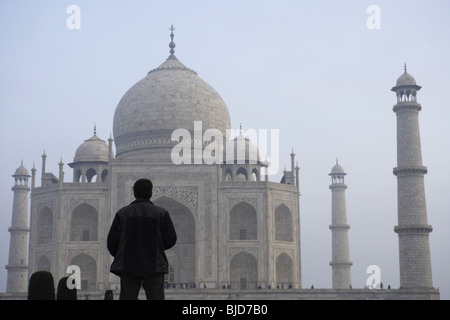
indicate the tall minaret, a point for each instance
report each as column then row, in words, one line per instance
column 413, row 229
column 340, row 253
column 18, row 247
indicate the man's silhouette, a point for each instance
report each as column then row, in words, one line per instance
column 139, row 235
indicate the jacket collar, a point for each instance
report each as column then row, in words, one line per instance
column 138, row 200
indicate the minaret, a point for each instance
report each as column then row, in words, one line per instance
column 340, row 253
column 18, row 247
column 413, row 229
column 61, row 171
column 110, row 150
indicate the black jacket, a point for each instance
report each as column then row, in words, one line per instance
column 139, row 235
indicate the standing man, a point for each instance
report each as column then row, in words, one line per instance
column 139, row 235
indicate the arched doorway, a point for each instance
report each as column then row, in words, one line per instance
column 182, row 257
column 284, row 270
column 243, row 271
column 283, row 224
column 243, row 222
column 44, row 228
column 88, row 271
column 43, row 264
column 84, row 223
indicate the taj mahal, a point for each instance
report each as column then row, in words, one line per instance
column 238, row 232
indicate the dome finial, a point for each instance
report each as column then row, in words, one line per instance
column 172, row 44
column 95, row 129
column 405, row 67
column 240, row 129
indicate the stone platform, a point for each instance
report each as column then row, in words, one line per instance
column 272, row 294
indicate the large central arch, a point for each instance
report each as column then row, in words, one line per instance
column 182, row 257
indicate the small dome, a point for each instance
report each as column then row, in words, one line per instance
column 93, row 149
column 244, row 151
column 406, row 80
column 21, row 171
column 337, row 169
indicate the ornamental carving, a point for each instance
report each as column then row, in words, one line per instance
column 410, row 170
column 289, row 251
column 187, row 194
column 42, row 205
column 232, row 251
column 72, row 253
column 234, row 201
column 48, row 253
column 279, row 202
column 417, row 229
column 156, row 137
column 76, row 202
column 407, row 107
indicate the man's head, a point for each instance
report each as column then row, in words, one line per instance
column 143, row 189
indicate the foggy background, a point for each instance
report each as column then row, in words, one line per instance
column 313, row 70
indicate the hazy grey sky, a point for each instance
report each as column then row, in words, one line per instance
column 312, row 69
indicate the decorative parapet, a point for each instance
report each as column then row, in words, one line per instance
column 416, row 229
column 410, row 170
column 339, row 226
column 188, row 194
column 407, row 106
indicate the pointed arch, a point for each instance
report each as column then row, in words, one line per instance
column 88, row 270
column 284, row 269
column 182, row 257
column 228, row 175
column 104, row 175
column 255, row 175
column 44, row 226
column 84, row 223
column 91, row 175
column 283, row 224
column 243, row 222
column 241, row 174
column 243, row 271
column 44, row 264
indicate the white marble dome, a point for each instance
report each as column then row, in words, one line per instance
column 93, row 149
column 337, row 169
column 21, row 171
column 170, row 97
column 241, row 150
column 406, row 80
